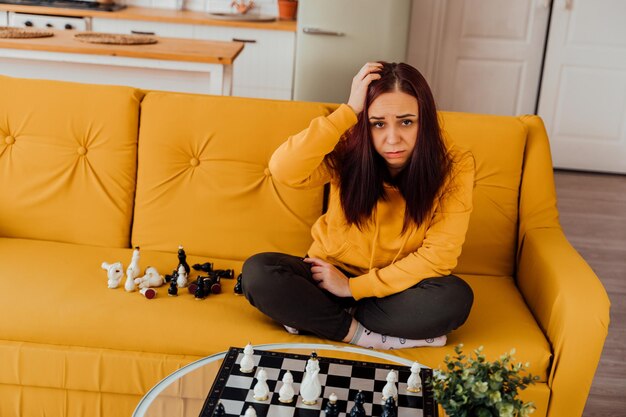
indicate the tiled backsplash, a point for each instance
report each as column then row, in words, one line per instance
column 265, row 7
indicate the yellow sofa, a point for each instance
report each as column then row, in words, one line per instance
column 88, row 171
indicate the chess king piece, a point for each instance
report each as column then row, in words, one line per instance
column 151, row 279
column 261, row 389
column 389, row 409
column 182, row 259
column 181, row 279
column 311, row 388
column 247, row 361
column 414, row 383
column 286, row 392
column 331, row 409
column 238, row 288
column 358, row 410
column 390, row 390
column 115, row 272
column 132, row 271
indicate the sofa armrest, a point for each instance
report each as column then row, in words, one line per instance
column 572, row 307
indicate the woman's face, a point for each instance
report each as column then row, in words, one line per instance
column 393, row 124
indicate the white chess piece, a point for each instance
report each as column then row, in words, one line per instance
column 250, row 412
column 311, row 388
column 261, row 389
column 390, row 390
column 286, row 392
column 151, row 279
column 149, row 293
column 181, row 281
column 414, row 383
column 115, row 272
column 132, row 271
column 247, row 361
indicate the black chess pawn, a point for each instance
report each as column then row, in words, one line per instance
column 200, row 292
column 205, row 267
column 358, row 410
column 173, row 289
column 214, row 284
column 225, row 273
column 331, row 409
column 182, row 259
column 219, row 410
column 238, row 289
column 389, row 409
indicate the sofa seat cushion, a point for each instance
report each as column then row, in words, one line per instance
column 61, row 298
column 68, row 161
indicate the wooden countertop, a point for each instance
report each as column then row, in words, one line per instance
column 170, row 49
column 154, row 15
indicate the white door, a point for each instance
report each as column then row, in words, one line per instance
column 583, row 93
column 484, row 55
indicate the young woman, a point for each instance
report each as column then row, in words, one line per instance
column 378, row 273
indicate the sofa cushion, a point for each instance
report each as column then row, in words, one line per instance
column 497, row 143
column 63, row 299
column 67, row 161
column 203, row 179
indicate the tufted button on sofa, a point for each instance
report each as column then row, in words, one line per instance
column 87, row 172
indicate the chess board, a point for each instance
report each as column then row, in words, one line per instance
column 345, row 378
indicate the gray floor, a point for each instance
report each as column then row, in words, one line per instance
column 593, row 215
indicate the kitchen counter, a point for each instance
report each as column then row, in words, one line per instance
column 154, row 15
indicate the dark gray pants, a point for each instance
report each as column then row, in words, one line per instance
column 282, row 287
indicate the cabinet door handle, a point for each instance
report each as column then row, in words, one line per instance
column 244, row 40
column 137, row 32
column 316, row 31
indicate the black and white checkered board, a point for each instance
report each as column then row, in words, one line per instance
column 345, row 378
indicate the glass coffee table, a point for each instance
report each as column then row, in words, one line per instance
column 184, row 392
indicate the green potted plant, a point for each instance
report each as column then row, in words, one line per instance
column 470, row 386
column 287, row 9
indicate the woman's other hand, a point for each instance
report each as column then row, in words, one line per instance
column 329, row 278
column 360, row 82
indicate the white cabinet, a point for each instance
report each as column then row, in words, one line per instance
column 4, row 20
column 583, row 93
column 264, row 69
column 169, row 30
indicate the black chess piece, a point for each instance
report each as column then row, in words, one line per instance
column 238, row 289
column 205, row 267
column 225, row 273
column 331, row 409
column 182, row 259
column 358, row 410
column 200, row 292
column 173, row 289
column 389, row 409
column 213, row 284
column 219, row 410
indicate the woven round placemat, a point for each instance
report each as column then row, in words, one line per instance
column 11, row 32
column 114, row 39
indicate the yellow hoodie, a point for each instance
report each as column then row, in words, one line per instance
column 384, row 261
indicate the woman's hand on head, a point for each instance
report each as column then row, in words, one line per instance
column 360, row 83
column 329, row 278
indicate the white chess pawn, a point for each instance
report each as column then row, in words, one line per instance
column 261, row 389
column 390, row 390
column 181, row 281
column 115, row 272
column 247, row 361
column 414, row 383
column 311, row 388
column 286, row 392
column 151, row 279
column 132, row 271
column 250, row 412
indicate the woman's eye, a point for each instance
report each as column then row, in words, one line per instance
column 407, row 122
column 378, row 124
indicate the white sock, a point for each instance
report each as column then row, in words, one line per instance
column 369, row 339
column 291, row 330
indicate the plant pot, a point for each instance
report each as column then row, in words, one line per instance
column 287, row 9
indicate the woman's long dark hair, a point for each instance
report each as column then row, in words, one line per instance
column 362, row 172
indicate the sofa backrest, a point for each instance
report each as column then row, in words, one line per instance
column 497, row 143
column 67, row 161
column 203, row 180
